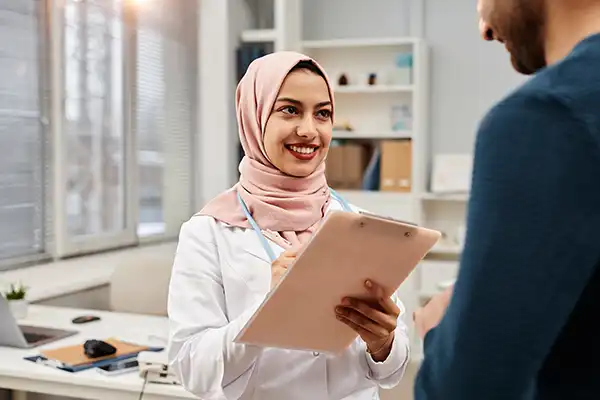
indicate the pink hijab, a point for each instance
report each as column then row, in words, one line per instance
column 290, row 206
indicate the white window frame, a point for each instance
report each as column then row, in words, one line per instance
column 64, row 243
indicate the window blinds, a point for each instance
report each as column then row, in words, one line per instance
column 166, row 87
column 21, row 133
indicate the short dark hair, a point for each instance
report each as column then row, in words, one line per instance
column 310, row 66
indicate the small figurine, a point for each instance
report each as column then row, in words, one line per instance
column 343, row 126
column 343, row 80
column 372, row 79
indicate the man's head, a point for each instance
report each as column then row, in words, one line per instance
column 520, row 25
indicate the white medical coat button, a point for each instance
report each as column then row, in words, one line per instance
column 315, row 354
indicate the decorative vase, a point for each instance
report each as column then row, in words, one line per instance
column 18, row 308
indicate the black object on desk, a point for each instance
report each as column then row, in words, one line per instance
column 98, row 348
column 85, row 318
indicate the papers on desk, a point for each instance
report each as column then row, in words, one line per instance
column 73, row 359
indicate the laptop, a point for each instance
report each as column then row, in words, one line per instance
column 23, row 336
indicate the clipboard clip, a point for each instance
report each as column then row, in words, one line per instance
column 368, row 214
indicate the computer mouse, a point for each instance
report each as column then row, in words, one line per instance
column 98, row 348
column 85, row 318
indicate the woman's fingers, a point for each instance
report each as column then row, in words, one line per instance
column 365, row 334
column 378, row 315
column 370, row 313
column 386, row 302
column 377, row 328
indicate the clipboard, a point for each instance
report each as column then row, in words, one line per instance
column 299, row 313
column 74, row 355
column 73, row 358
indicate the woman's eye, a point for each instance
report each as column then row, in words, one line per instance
column 290, row 110
column 324, row 114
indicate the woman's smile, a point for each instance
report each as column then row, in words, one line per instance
column 304, row 152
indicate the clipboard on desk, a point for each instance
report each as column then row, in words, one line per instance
column 73, row 358
column 348, row 249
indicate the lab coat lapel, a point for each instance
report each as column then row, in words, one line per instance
column 252, row 263
column 256, row 249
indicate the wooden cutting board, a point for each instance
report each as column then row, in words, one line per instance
column 75, row 355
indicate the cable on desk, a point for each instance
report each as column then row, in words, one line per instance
column 144, row 385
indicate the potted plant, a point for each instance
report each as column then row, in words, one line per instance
column 17, row 300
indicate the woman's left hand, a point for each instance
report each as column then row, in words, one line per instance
column 375, row 321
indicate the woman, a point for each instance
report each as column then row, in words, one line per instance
column 236, row 249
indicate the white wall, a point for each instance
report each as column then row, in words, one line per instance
column 333, row 19
column 468, row 75
column 220, row 24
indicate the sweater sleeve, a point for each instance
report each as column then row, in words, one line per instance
column 531, row 247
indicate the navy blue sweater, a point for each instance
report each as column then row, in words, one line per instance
column 524, row 320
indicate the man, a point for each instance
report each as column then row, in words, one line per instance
column 522, row 321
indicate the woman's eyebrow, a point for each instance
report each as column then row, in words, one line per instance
column 288, row 100
column 294, row 101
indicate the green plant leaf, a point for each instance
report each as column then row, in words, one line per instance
column 16, row 293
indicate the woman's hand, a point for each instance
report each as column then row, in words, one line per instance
column 280, row 266
column 375, row 320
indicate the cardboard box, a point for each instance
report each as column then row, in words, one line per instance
column 355, row 162
column 345, row 166
column 334, row 170
column 396, row 165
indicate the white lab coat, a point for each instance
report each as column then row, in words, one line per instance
column 220, row 276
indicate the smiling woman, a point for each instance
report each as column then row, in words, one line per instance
column 240, row 245
column 299, row 129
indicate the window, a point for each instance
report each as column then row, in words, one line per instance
column 112, row 158
column 22, row 163
column 150, row 121
column 94, row 128
column 164, row 114
column 94, row 122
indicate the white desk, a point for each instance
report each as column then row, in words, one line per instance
column 21, row 375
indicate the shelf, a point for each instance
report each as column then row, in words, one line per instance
column 457, row 197
column 445, row 248
column 375, row 194
column 259, row 36
column 359, row 42
column 373, row 89
column 426, row 295
column 372, row 135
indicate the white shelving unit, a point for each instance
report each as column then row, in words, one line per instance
column 285, row 33
column 360, row 42
column 340, row 135
column 364, row 89
column 367, row 109
column 457, row 197
column 259, row 35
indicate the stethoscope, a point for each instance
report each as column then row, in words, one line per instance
column 261, row 236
